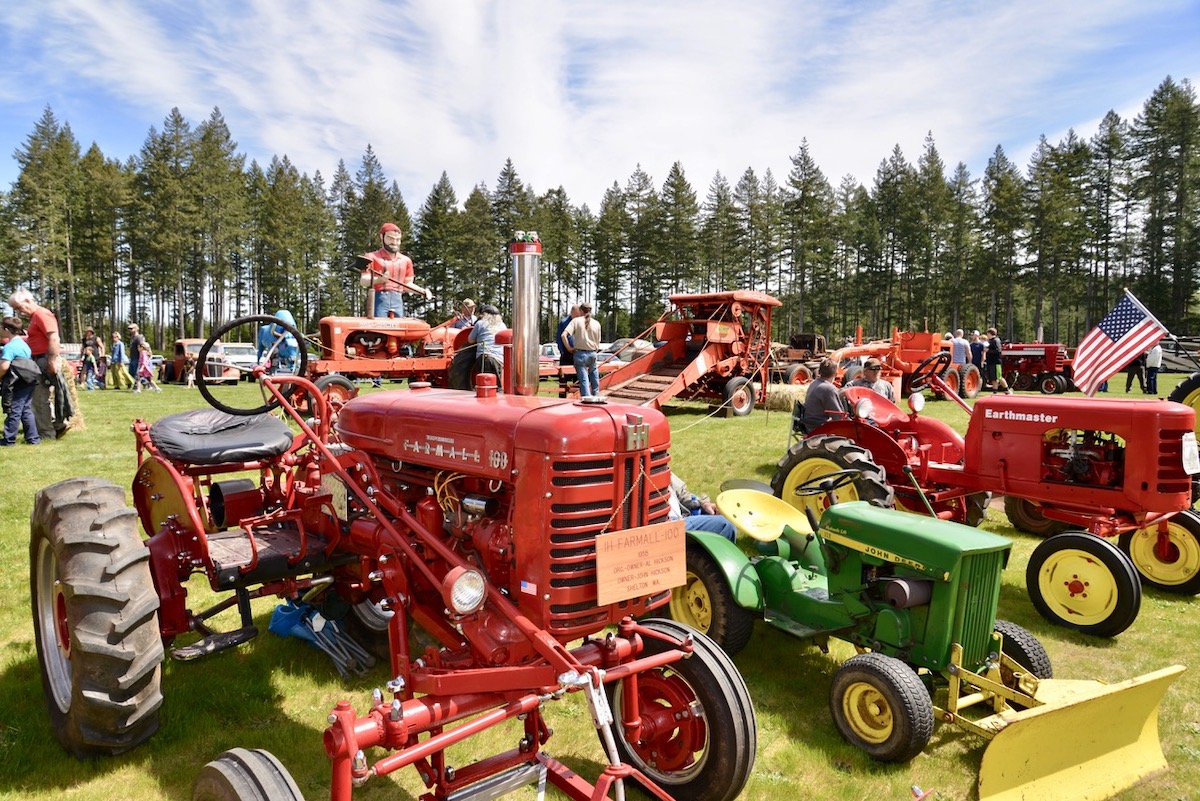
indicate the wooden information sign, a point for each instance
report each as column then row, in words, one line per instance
column 640, row 561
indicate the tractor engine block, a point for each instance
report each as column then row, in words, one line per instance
column 1096, row 458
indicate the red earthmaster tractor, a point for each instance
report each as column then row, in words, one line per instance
column 523, row 536
column 1077, row 470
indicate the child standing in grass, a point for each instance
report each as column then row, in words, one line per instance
column 89, row 369
column 145, row 371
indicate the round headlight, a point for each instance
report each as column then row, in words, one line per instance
column 464, row 590
column 864, row 409
column 916, row 401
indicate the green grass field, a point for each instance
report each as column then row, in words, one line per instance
column 275, row 693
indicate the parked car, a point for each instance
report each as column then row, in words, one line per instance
column 174, row 371
column 626, row 349
column 243, row 355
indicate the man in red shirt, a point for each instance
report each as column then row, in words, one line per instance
column 42, row 338
column 390, row 274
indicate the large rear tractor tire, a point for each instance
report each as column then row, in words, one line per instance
column 463, row 369
column 699, row 733
column 1188, row 393
column 95, row 618
column 706, row 603
column 880, row 706
column 970, row 381
column 1169, row 561
column 1085, row 583
column 739, row 395
column 242, row 774
column 818, row 456
column 1027, row 516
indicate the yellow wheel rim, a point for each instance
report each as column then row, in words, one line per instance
column 1184, row 559
column 808, row 470
column 1193, row 399
column 1077, row 587
column 692, row 605
column 868, row 713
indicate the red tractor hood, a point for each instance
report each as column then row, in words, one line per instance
column 455, row 430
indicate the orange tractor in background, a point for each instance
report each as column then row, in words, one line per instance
column 797, row 362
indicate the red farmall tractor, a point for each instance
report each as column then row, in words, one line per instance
column 522, row 536
column 1080, row 471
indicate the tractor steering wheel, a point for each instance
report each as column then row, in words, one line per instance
column 934, row 365
column 826, row 483
column 258, row 320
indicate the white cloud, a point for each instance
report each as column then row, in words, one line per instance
column 580, row 93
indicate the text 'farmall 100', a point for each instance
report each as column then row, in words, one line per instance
column 480, row 517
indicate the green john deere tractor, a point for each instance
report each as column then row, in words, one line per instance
column 918, row 598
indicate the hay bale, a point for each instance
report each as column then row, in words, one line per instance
column 780, row 397
column 76, row 422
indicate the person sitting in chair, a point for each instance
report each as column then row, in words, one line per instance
column 823, row 401
column 698, row 513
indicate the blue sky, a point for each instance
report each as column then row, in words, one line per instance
column 579, row 93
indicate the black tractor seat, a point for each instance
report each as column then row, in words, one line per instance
column 209, row 436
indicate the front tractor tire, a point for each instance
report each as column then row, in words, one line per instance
column 242, row 774
column 699, row 735
column 95, row 618
column 1027, row 516
column 818, row 456
column 1085, row 583
column 706, row 603
column 1168, row 560
column 880, row 705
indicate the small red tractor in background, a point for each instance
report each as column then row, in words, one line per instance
column 512, row 530
column 1108, row 469
column 1043, row 366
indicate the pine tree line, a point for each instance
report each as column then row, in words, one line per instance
column 184, row 235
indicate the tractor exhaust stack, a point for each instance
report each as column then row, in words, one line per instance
column 526, row 252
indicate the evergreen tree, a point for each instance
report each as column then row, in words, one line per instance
column 104, row 191
column 219, row 180
column 679, row 244
column 42, row 202
column 807, row 223
column 474, row 253
column 512, row 211
column 561, row 252
column 1109, row 218
column 643, row 270
column 1166, row 147
column 611, row 243
column 1003, row 218
column 167, row 201
column 436, row 233
column 719, row 235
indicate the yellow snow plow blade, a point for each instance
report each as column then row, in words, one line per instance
column 1089, row 741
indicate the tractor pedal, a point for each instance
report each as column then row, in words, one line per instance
column 213, row 643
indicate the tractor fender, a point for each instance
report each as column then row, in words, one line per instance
column 884, row 449
column 744, row 582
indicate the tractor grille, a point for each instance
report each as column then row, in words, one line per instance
column 594, row 496
column 1171, row 475
column 979, row 594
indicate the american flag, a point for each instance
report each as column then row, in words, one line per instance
column 1125, row 332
